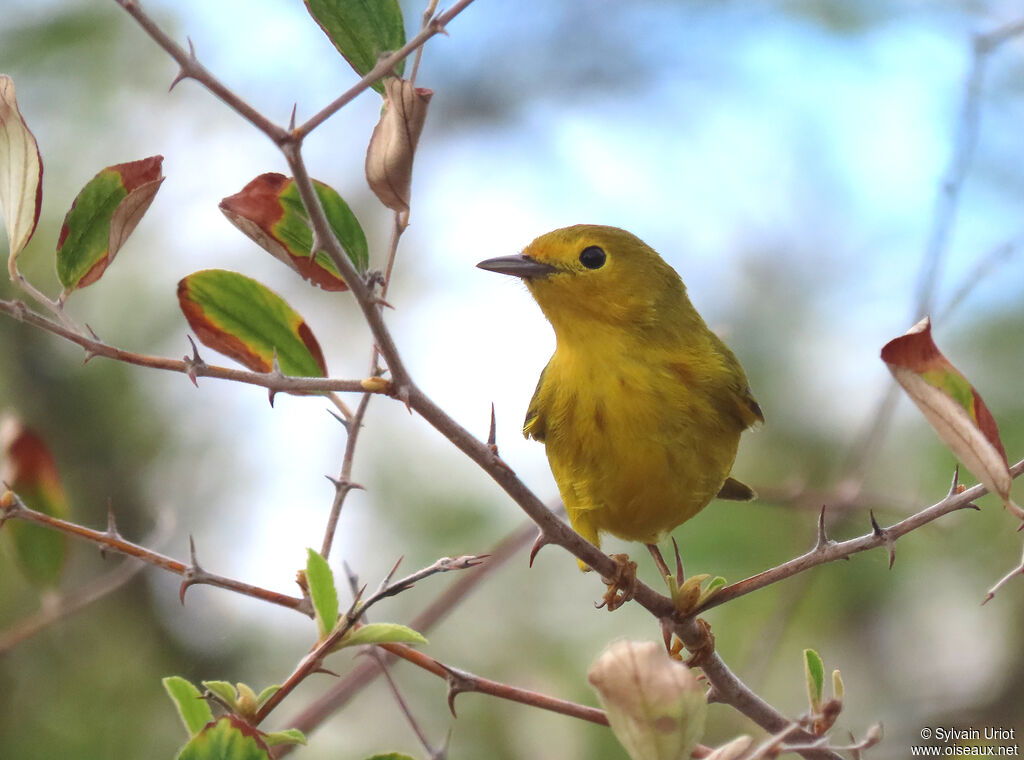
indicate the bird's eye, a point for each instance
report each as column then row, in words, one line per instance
column 592, row 257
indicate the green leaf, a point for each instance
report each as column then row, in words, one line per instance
column 709, row 591
column 322, row 592
column 288, row 736
column 224, row 691
column 382, row 633
column 814, row 670
column 29, row 469
column 361, row 30
column 102, row 217
column 270, row 211
column 227, row 739
column 194, row 710
column 21, row 172
column 247, row 321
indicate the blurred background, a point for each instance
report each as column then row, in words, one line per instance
column 785, row 156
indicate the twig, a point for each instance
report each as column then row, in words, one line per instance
column 11, row 507
column 312, row 662
column 339, row 694
column 985, row 265
column 191, row 68
column 384, row 67
column 192, row 367
column 403, row 706
column 343, row 485
column 70, row 602
column 829, row 551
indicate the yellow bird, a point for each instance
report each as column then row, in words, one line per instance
column 641, row 406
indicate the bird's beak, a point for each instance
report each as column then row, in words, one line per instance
column 518, row 266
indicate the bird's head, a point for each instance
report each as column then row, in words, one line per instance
column 590, row 274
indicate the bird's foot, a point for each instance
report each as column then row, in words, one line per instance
column 621, row 585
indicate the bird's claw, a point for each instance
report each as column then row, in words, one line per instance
column 621, row 585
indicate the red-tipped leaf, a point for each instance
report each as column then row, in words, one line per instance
column 270, row 211
column 952, row 406
column 247, row 321
column 102, row 217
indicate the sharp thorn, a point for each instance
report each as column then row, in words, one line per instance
column 92, row 332
column 875, row 527
column 884, row 535
column 182, row 76
column 956, row 480
column 823, row 539
column 666, row 635
column 327, row 672
column 538, row 544
column 291, row 122
column 680, row 575
column 492, row 435
column 391, row 573
column 344, row 422
column 271, row 393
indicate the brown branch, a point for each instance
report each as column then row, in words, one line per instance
column 826, row 550
column 384, row 67
column 363, row 674
column 192, row 69
column 313, row 662
column 462, row 681
column 12, row 508
column 193, row 367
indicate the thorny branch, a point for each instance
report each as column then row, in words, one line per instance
column 827, row 550
column 12, row 508
column 725, row 686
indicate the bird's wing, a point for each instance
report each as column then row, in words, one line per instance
column 535, row 424
column 749, row 410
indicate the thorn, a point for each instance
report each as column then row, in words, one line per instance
column 325, row 671
column 680, row 575
column 193, row 363
column 666, row 635
column 381, row 302
column 192, row 573
column 291, row 122
column 271, row 393
column 884, row 535
column 344, row 423
column 458, row 682
column 182, row 74
column 391, row 573
column 540, row 543
column 492, row 435
column 956, row 481
column 823, row 539
column 346, row 485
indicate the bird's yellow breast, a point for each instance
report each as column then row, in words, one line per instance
column 635, row 435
